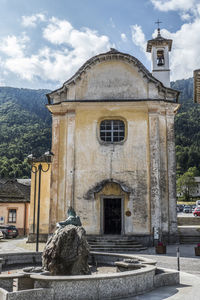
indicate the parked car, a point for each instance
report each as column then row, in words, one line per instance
column 1, row 235
column 9, row 231
column 187, row 209
column 180, row 207
column 193, row 208
column 197, row 212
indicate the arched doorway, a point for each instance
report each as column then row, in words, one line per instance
column 111, row 201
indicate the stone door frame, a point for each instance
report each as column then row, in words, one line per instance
column 102, row 197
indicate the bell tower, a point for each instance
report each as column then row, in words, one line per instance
column 159, row 49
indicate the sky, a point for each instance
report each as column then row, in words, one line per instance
column 44, row 42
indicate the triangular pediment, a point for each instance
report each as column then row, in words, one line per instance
column 112, row 76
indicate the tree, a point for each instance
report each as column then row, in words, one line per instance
column 186, row 183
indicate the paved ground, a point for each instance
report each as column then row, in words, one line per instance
column 18, row 245
column 181, row 214
column 189, row 289
column 188, row 261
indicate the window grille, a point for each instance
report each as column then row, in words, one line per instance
column 12, row 215
column 112, row 131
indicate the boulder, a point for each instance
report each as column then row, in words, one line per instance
column 67, row 252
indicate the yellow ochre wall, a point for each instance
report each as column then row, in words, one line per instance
column 144, row 164
column 94, row 161
column 44, row 199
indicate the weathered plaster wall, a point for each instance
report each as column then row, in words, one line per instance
column 109, row 78
column 144, row 162
column 123, row 162
column 112, row 79
column 140, row 162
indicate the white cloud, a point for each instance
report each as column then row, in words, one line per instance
column 138, row 37
column 185, row 56
column 167, row 5
column 13, row 46
column 2, row 81
column 30, row 21
column 75, row 47
column 186, row 8
column 185, row 17
column 81, row 41
column 123, row 37
column 58, row 31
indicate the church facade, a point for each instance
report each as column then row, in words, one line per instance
column 114, row 151
column 113, row 144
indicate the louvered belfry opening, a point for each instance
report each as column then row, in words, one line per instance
column 112, row 216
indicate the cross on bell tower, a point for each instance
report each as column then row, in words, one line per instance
column 159, row 49
column 158, row 22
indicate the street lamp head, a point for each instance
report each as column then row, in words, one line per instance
column 48, row 153
column 30, row 158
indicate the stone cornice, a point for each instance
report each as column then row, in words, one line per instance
column 150, row 105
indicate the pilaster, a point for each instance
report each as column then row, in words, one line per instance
column 171, row 177
column 54, row 172
column 70, row 159
column 155, row 173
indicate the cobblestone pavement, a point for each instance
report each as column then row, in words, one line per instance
column 188, row 261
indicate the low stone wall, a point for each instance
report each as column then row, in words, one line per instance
column 34, row 294
column 105, row 286
column 42, row 238
column 21, row 258
column 184, row 221
column 165, row 277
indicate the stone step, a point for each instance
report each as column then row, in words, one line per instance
column 111, row 237
column 189, row 239
column 116, row 246
column 122, row 250
column 113, row 242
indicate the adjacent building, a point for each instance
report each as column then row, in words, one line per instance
column 14, row 203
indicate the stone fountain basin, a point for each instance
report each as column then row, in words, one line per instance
column 99, row 286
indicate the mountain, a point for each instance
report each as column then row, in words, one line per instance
column 25, row 127
column 187, row 128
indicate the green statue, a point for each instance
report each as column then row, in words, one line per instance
column 72, row 219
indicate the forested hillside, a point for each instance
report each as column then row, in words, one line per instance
column 187, row 128
column 25, row 127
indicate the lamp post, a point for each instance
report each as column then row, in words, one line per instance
column 38, row 169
